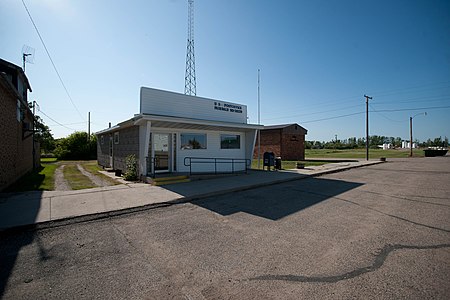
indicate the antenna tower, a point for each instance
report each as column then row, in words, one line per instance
column 189, row 78
column 27, row 55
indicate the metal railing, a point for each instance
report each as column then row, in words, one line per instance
column 150, row 161
column 153, row 164
column 232, row 162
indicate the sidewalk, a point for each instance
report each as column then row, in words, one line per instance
column 47, row 208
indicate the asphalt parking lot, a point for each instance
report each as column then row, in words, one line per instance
column 377, row 232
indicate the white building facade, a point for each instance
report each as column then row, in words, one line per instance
column 177, row 133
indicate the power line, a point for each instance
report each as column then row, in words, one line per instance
column 422, row 87
column 76, row 123
column 335, row 117
column 51, row 60
column 419, row 99
column 387, row 118
column 423, row 99
column 378, row 111
column 412, row 109
column 55, row 120
column 314, row 113
column 379, row 94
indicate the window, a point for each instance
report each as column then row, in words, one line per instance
column 102, row 140
column 230, row 141
column 193, row 141
column 19, row 111
column 116, row 137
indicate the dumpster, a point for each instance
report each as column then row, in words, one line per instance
column 269, row 160
column 435, row 151
column 278, row 163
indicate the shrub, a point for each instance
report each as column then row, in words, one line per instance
column 131, row 163
column 77, row 147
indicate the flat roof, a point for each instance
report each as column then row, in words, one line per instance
column 181, row 123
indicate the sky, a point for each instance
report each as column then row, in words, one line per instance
column 317, row 60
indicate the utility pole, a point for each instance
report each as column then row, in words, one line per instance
column 410, row 133
column 259, row 123
column 89, row 126
column 34, row 130
column 367, row 125
column 410, row 137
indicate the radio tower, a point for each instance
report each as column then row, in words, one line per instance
column 189, row 78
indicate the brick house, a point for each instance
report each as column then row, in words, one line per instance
column 286, row 141
column 16, row 123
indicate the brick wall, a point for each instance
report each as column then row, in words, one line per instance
column 288, row 143
column 293, row 146
column 270, row 142
column 16, row 153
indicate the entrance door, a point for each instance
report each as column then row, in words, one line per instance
column 161, row 150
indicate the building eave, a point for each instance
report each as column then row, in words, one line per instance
column 189, row 123
column 180, row 123
column 18, row 70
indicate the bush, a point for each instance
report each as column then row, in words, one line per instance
column 131, row 163
column 76, row 147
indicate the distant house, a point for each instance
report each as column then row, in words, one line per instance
column 286, row 141
column 16, row 123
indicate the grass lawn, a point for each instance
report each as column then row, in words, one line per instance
column 48, row 159
column 93, row 168
column 289, row 164
column 42, row 179
column 75, row 179
column 361, row 153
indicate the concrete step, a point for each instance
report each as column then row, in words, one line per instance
column 170, row 180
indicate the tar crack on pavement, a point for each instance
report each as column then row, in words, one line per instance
column 378, row 262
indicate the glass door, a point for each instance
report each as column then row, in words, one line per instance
column 161, row 151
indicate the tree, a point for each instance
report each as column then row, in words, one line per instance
column 77, row 146
column 44, row 136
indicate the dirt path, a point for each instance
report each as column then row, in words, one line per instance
column 60, row 182
column 95, row 179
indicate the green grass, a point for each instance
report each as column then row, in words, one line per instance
column 48, row 159
column 361, row 153
column 93, row 168
column 42, row 179
column 289, row 164
column 75, row 179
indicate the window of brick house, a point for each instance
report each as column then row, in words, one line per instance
column 116, row 138
column 19, row 111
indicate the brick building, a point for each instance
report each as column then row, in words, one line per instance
column 286, row 141
column 16, row 122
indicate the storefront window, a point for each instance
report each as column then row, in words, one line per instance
column 230, row 141
column 193, row 141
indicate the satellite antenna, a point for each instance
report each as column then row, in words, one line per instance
column 27, row 55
